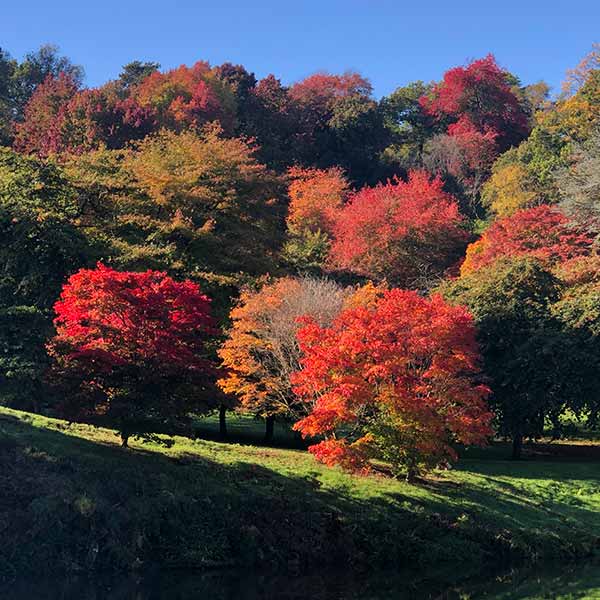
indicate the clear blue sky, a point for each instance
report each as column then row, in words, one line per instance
column 391, row 42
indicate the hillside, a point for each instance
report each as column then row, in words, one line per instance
column 72, row 500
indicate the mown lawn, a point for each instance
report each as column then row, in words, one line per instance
column 71, row 499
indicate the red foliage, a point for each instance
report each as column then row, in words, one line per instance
column 185, row 96
column 323, row 87
column 60, row 119
column 481, row 94
column 403, row 372
column 316, row 96
column 315, row 197
column 399, row 231
column 40, row 131
column 130, row 345
column 478, row 149
column 543, row 232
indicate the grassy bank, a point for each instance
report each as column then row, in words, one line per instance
column 72, row 500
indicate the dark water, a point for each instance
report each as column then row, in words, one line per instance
column 558, row 582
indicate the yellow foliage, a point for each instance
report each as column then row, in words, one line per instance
column 472, row 251
column 365, row 295
column 506, row 190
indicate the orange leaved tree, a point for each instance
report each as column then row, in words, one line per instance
column 396, row 380
column 261, row 351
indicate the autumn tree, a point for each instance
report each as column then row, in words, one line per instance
column 407, row 232
column 463, row 157
column 341, row 123
column 397, row 380
column 41, row 246
column 130, row 350
column 543, row 232
column 579, row 185
column 187, row 97
column 37, row 67
column 483, row 117
column 39, row 132
column 261, row 351
column 537, row 367
column 479, row 97
column 199, row 206
column 315, row 198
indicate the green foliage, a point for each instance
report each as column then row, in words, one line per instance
column 40, row 248
column 134, row 73
column 197, row 206
column 537, row 367
column 409, row 126
column 306, row 251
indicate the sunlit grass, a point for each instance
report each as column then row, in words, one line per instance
column 207, row 503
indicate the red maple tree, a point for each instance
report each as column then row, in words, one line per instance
column 404, row 231
column 481, row 94
column 397, row 379
column 40, row 131
column 543, row 232
column 130, row 350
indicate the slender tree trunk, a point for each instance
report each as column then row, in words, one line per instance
column 124, row 440
column 222, row 422
column 411, row 473
column 517, row 446
column 35, row 398
column 270, row 428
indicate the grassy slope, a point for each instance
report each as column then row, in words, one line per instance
column 71, row 499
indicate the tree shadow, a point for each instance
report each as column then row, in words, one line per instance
column 69, row 504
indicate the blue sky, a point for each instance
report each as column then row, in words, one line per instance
column 391, row 42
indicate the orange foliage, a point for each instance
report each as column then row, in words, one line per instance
column 315, row 196
column 397, row 380
column 542, row 232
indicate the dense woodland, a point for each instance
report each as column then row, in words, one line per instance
column 395, row 277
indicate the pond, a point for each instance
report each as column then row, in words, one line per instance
column 557, row 583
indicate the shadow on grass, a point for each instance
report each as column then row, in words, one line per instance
column 248, row 431
column 69, row 504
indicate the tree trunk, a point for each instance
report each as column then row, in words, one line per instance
column 222, row 422
column 270, row 428
column 124, row 440
column 411, row 474
column 517, row 446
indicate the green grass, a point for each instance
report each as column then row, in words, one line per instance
column 72, row 500
column 247, row 429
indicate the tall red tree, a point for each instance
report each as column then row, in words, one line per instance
column 129, row 349
column 324, row 88
column 481, row 95
column 40, row 131
column 397, row 379
column 405, row 231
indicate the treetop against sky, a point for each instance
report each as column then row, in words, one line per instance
column 391, row 43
